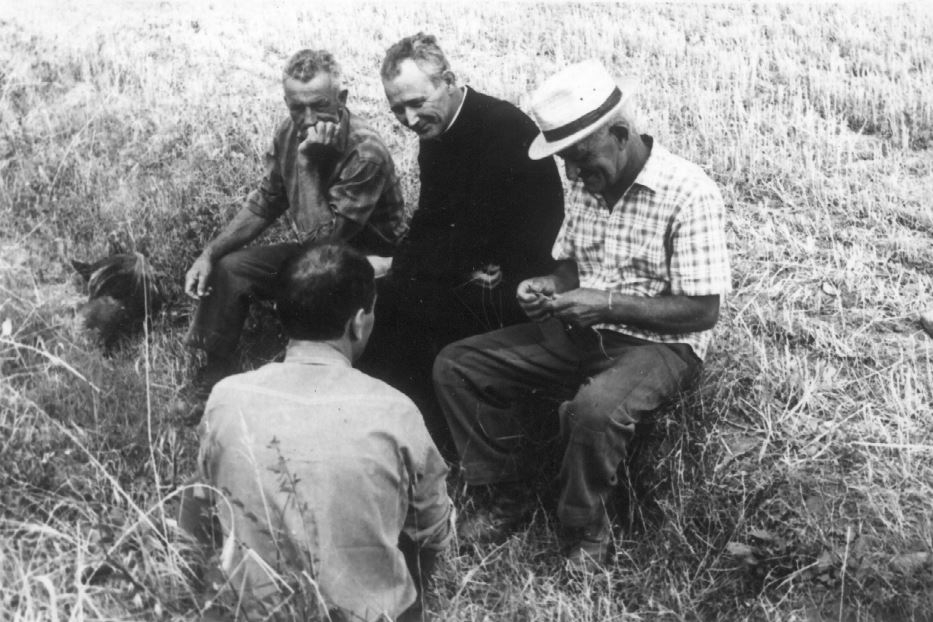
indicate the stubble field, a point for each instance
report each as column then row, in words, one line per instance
column 795, row 484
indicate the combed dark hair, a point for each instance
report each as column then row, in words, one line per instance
column 321, row 288
column 305, row 64
column 422, row 49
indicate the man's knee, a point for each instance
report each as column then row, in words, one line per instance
column 597, row 411
column 575, row 414
column 229, row 267
column 447, row 368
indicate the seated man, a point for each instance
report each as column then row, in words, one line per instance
column 329, row 172
column 320, row 473
column 486, row 219
column 620, row 327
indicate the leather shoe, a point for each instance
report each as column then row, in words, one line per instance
column 492, row 520
column 589, row 550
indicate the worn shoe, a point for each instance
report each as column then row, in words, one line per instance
column 589, row 547
column 493, row 518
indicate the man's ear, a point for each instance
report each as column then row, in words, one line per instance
column 449, row 77
column 620, row 132
column 356, row 325
column 342, row 97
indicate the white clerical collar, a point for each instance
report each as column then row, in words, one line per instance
column 459, row 108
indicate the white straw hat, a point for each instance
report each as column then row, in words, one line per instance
column 574, row 103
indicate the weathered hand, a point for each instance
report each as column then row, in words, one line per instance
column 581, row 306
column 534, row 296
column 197, row 277
column 318, row 136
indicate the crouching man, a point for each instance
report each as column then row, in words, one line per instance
column 619, row 328
column 324, row 479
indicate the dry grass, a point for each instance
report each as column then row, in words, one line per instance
column 796, row 484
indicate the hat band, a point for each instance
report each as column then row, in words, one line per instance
column 591, row 117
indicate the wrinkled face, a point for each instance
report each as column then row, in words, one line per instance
column 315, row 100
column 597, row 161
column 418, row 103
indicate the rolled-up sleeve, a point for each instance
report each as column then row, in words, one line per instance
column 563, row 245
column 700, row 260
column 356, row 192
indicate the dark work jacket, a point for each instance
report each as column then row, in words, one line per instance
column 482, row 200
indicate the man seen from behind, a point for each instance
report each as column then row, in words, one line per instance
column 324, row 479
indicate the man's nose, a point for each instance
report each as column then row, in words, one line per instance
column 411, row 117
column 308, row 117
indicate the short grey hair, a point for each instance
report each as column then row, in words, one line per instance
column 421, row 48
column 303, row 65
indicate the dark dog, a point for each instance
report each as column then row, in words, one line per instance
column 123, row 291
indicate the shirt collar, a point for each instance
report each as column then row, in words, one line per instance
column 314, row 353
column 653, row 172
column 343, row 133
column 650, row 176
column 464, row 89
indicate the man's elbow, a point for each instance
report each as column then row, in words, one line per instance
column 708, row 313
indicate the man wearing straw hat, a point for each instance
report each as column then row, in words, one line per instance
column 618, row 329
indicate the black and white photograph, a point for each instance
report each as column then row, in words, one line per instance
column 466, row 311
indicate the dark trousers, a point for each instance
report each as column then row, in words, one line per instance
column 415, row 318
column 249, row 274
column 237, row 279
column 610, row 383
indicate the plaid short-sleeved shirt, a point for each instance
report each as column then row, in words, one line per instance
column 665, row 237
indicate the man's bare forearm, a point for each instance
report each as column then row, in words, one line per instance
column 240, row 231
column 669, row 315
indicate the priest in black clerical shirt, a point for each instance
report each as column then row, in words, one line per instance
column 486, row 219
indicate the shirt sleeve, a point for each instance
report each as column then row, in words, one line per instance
column 429, row 522
column 563, row 244
column 270, row 200
column 700, row 258
column 358, row 189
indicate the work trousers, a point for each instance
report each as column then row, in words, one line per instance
column 237, row 279
column 415, row 318
column 610, row 382
column 249, row 274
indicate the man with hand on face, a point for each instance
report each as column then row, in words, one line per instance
column 620, row 327
column 487, row 216
column 333, row 178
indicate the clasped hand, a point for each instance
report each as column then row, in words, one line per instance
column 317, row 137
column 581, row 306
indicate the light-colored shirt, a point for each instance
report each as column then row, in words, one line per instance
column 317, row 468
column 664, row 237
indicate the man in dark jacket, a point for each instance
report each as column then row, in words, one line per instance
column 487, row 217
